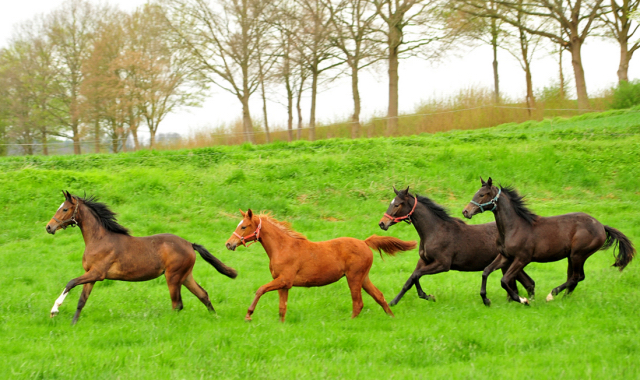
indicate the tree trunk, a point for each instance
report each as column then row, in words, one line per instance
column 96, row 132
column 76, row 139
column 578, row 72
column 314, row 95
column 264, row 111
column 247, row 125
column 562, row 92
column 355, row 119
column 392, row 114
column 625, row 57
column 494, row 45
column 289, row 111
column 136, row 143
column 152, row 138
column 45, row 148
column 299, row 108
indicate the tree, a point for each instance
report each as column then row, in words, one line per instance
column 410, row 26
column 223, row 42
column 621, row 26
column 355, row 38
column 577, row 20
column 71, row 30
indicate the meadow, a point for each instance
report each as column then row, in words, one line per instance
column 326, row 189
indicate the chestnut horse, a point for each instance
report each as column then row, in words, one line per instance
column 296, row 261
column 111, row 253
column 526, row 237
column 446, row 243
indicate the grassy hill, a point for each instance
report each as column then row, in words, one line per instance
column 325, row 189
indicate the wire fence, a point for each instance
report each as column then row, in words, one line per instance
column 373, row 128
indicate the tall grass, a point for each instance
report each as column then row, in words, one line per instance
column 471, row 108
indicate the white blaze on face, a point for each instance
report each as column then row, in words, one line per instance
column 60, row 206
column 239, row 224
column 54, row 309
column 392, row 201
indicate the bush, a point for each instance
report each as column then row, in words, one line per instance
column 626, row 95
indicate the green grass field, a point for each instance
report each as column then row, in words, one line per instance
column 326, row 189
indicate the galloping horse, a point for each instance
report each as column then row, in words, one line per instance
column 296, row 261
column 111, row 253
column 446, row 243
column 526, row 237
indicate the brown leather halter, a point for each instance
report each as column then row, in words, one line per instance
column 73, row 220
column 255, row 234
column 406, row 218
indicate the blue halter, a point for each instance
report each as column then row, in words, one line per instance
column 493, row 202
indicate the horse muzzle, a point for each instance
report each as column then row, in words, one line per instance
column 51, row 230
column 469, row 211
column 231, row 247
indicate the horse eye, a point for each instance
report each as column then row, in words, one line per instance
column 65, row 209
column 243, row 227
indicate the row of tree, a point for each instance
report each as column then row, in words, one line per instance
column 88, row 71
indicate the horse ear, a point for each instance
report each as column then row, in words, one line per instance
column 489, row 182
column 250, row 213
column 242, row 212
column 482, row 181
column 406, row 192
column 395, row 191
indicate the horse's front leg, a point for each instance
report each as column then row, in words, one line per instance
column 498, row 262
column 280, row 282
column 515, row 267
column 421, row 269
column 90, row 276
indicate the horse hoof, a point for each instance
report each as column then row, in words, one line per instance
column 430, row 297
column 53, row 314
column 550, row 297
column 247, row 319
column 487, row 302
column 524, row 301
column 393, row 303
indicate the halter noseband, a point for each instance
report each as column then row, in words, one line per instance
column 406, row 218
column 255, row 234
column 493, row 202
column 73, row 220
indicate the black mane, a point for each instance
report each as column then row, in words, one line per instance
column 105, row 216
column 436, row 209
column 519, row 205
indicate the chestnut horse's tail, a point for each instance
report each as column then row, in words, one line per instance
column 211, row 259
column 617, row 239
column 389, row 245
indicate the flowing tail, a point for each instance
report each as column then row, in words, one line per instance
column 389, row 245
column 211, row 259
column 626, row 252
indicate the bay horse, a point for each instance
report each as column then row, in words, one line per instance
column 446, row 243
column 296, row 261
column 112, row 253
column 526, row 237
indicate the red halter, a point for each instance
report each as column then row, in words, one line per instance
column 401, row 218
column 255, row 234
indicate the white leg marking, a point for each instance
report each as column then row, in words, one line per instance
column 524, row 300
column 550, row 297
column 54, row 309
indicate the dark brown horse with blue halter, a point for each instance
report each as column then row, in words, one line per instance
column 526, row 237
column 296, row 261
column 446, row 243
column 111, row 253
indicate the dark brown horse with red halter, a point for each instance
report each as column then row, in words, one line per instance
column 526, row 237
column 296, row 261
column 111, row 253
column 446, row 243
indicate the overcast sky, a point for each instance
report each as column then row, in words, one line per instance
column 419, row 80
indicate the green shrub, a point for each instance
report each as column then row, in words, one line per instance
column 626, row 95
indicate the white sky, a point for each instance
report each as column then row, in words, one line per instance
column 419, row 80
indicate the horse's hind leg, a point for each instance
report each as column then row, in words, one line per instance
column 377, row 295
column 527, row 282
column 198, row 291
column 86, row 291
